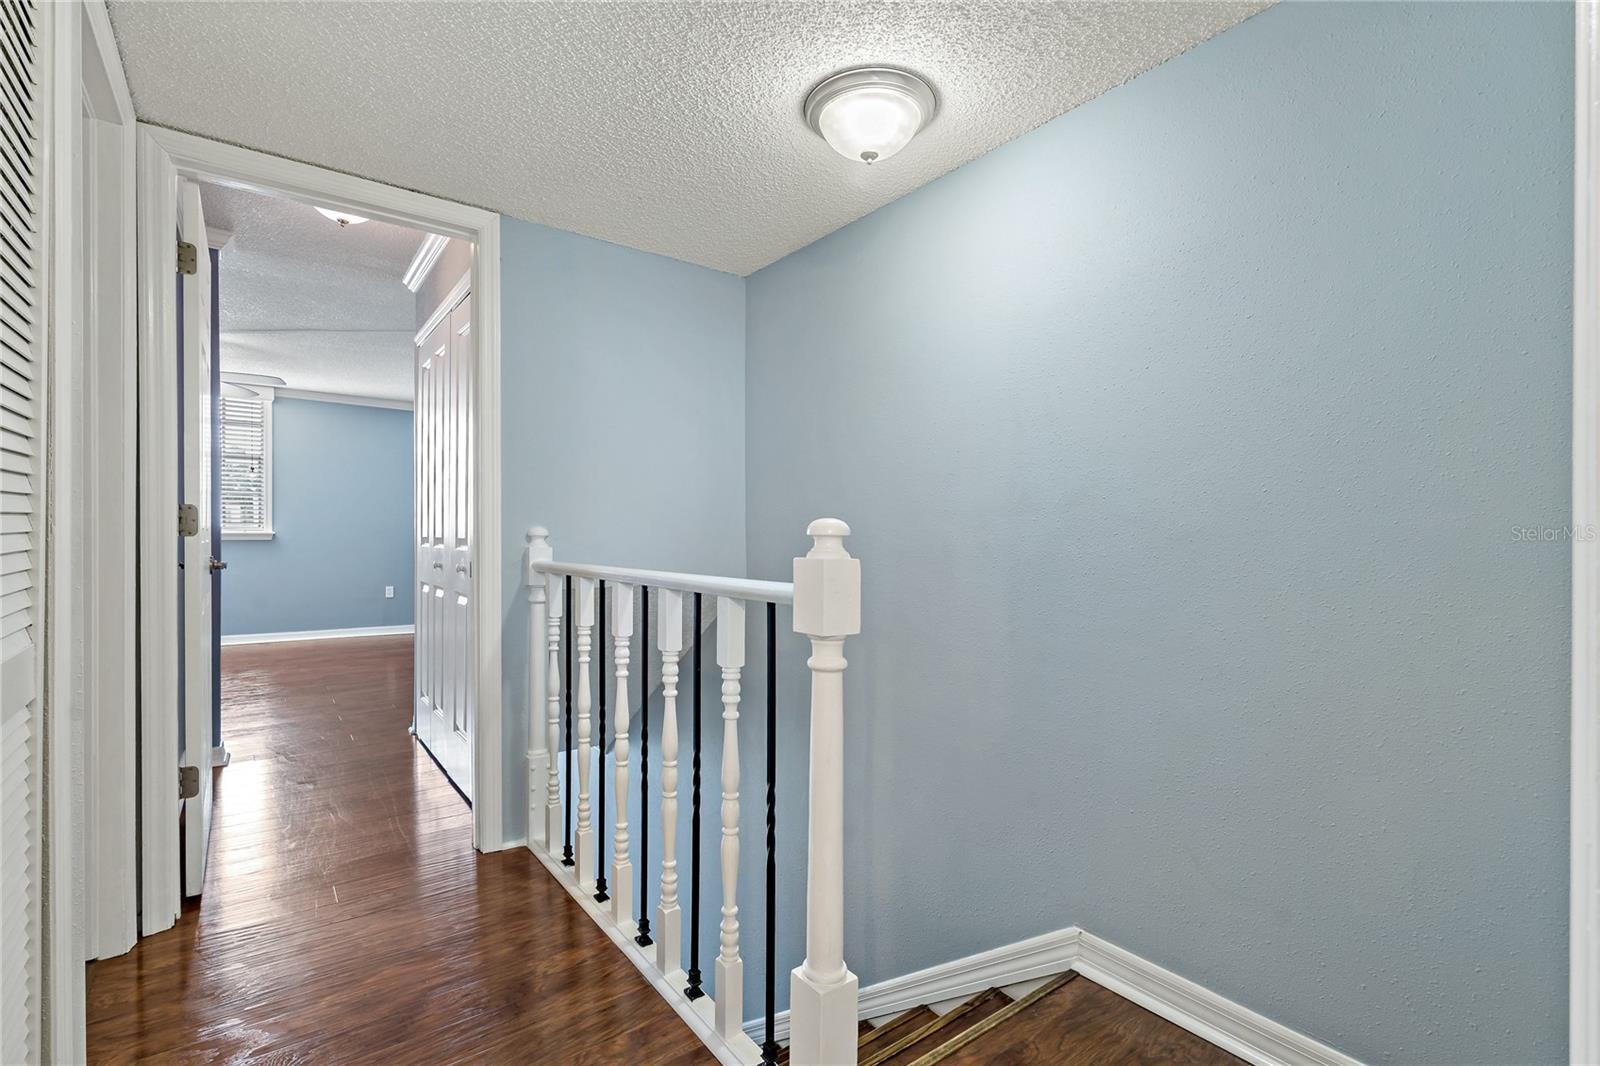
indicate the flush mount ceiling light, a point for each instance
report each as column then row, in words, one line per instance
column 344, row 218
column 870, row 113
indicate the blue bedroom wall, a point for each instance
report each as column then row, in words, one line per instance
column 622, row 431
column 342, row 513
column 1185, row 439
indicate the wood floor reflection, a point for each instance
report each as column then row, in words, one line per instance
column 346, row 916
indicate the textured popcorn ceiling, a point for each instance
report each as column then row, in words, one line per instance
column 302, row 299
column 671, row 127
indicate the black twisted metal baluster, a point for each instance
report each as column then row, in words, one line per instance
column 643, row 939
column 566, row 840
column 769, row 1047
column 694, row 991
column 600, row 894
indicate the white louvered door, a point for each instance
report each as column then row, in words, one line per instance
column 444, row 631
column 198, row 413
column 21, row 530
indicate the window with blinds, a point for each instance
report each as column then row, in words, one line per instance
column 246, row 464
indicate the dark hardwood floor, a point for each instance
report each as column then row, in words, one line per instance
column 346, row 917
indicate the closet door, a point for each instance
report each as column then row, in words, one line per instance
column 429, row 672
column 455, row 750
column 22, row 456
column 445, row 638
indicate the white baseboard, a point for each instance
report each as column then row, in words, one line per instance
column 1225, row 1023
column 315, row 634
column 220, row 756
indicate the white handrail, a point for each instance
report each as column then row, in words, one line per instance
column 738, row 588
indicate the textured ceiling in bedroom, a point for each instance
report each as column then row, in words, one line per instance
column 301, row 298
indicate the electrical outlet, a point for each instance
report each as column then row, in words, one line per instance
column 388, row 592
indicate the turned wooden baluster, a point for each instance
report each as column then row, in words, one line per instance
column 540, row 755
column 585, row 834
column 669, row 917
column 553, row 820
column 730, row 967
column 622, row 654
column 822, row 990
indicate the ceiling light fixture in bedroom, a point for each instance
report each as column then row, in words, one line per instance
column 344, row 218
column 870, row 113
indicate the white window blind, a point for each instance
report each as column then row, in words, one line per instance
column 246, row 467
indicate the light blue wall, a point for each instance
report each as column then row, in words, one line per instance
column 622, row 430
column 342, row 511
column 1183, row 439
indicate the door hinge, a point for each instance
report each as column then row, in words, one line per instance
column 188, row 520
column 188, row 782
column 188, row 258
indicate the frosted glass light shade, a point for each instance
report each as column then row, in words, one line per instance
column 871, row 113
column 344, row 218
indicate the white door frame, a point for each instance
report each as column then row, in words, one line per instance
column 164, row 156
column 107, row 375
column 88, row 625
column 1583, row 1006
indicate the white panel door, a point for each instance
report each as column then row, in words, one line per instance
column 22, row 456
column 199, row 414
column 444, row 685
column 431, row 358
column 456, row 750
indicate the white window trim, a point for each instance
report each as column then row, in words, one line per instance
column 268, row 394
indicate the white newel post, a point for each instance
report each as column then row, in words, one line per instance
column 621, row 862
column 584, row 608
column 539, row 753
column 822, row 990
column 554, row 825
column 730, row 967
column 669, row 640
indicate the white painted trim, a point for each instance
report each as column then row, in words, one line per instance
column 217, row 237
column 61, row 276
column 457, row 293
column 110, row 751
column 158, row 562
column 260, row 381
column 208, row 160
column 1238, row 1029
column 428, row 252
column 344, row 397
column 488, row 807
column 736, row 588
column 1203, row 1012
column 220, row 755
column 1583, row 1007
column 314, row 634
column 247, row 534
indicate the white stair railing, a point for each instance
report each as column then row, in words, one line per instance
column 826, row 599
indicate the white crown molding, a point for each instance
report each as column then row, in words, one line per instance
column 343, row 397
column 269, row 381
column 453, row 297
column 428, row 253
column 1245, row 1033
column 315, row 634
